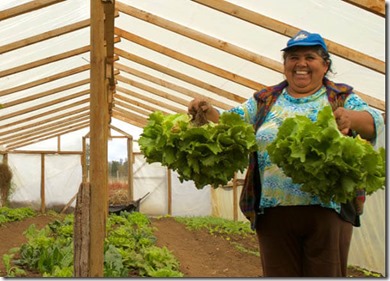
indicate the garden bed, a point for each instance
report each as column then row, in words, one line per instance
column 200, row 252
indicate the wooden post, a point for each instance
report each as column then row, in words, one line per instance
column 84, row 170
column 5, row 158
column 43, row 201
column 235, row 211
column 58, row 143
column 99, row 122
column 169, row 191
column 81, row 257
column 130, row 161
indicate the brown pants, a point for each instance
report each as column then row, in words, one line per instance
column 303, row 241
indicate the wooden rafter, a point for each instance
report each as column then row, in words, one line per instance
column 51, row 134
column 169, row 85
column 201, row 37
column 44, row 105
column 44, row 80
column 26, row 8
column 148, row 99
column 377, row 7
column 134, row 102
column 46, row 93
column 288, row 30
column 47, row 114
column 129, row 120
column 34, row 127
column 179, row 75
column 234, row 77
column 43, row 128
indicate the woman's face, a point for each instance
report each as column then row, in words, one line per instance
column 304, row 69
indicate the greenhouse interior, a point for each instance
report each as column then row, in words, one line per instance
column 79, row 80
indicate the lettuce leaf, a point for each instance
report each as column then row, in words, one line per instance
column 325, row 162
column 209, row 154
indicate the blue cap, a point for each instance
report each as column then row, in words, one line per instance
column 304, row 38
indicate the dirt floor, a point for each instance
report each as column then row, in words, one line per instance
column 199, row 253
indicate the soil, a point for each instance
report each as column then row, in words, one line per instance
column 200, row 254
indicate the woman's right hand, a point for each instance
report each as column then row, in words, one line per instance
column 202, row 107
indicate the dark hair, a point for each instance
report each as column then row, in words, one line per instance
column 318, row 49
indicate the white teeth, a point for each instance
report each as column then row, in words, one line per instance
column 301, row 72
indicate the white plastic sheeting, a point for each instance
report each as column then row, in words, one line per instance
column 62, row 179
column 335, row 20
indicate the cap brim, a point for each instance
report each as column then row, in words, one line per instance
column 302, row 44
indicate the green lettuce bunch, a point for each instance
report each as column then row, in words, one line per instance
column 327, row 163
column 207, row 154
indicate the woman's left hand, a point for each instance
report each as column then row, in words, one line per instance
column 359, row 121
column 343, row 120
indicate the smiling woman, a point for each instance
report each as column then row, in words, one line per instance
column 160, row 55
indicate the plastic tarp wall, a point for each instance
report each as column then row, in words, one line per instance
column 186, row 199
column 368, row 248
column 62, row 179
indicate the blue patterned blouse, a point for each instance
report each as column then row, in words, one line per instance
column 277, row 188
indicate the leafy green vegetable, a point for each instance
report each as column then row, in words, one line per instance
column 324, row 161
column 208, row 154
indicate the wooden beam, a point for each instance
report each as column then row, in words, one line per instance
column 47, row 114
column 288, row 30
column 171, row 86
column 98, row 140
column 118, row 103
column 169, row 183
column 181, row 76
column 149, row 99
column 44, row 61
column 128, row 120
column 130, row 172
column 129, row 117
column 46, row 152
column 43, row 197
column 42, row 124
column 201, row 37
column 154, row 91
column 26, row 8
column 43, row 105
column 42, row 128
column 46, row 93
column 377, row 7
column 46, row 135
column 44, row 80
column 234, row 77
column 44, row 36
column 129, row 100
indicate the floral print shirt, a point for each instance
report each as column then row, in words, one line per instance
column 277, row 188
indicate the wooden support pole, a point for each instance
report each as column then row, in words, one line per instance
column 235, row 211
column 5, row 158
column 84, row 167
column 99, row 139
column 81, row 257
column 169, row 191
column 130, row 161
column 43, row 200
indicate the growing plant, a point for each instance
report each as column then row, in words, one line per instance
column 217, row 225
column 12, row 270
column 129, row 249
column 9, row 215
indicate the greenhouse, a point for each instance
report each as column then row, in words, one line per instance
column 79, row 80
